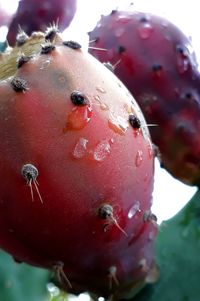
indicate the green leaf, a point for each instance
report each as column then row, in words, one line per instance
column 178, row 257
column 21, row 282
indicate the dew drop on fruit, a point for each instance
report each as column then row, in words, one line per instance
column 183, row 62
column 80, row 149
column 118, row 124
column 150, row 149
column 100, row 89
column 119, row 32
column 78, row 118
column 102, row 150
column 103, row 106
column 45, row 64
column 143, row 264
column 145, row 30
column 139, row 158
column 134, row 209
column 152, row 235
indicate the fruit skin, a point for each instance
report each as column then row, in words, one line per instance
column 76, row 180
column 154, row 59
column 36, row 15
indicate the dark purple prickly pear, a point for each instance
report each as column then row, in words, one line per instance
column 36, row 15
column 154, row 59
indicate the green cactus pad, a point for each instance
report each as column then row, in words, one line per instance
column 178, row 257
column 20, row 282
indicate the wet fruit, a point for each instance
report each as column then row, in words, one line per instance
column 155, row 60
column 76, row 170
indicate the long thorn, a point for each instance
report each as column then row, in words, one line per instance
column 118, row 226
column 97, row 48
column 38, row 192
column 31, row 189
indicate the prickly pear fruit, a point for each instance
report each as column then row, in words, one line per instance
column 36, row 15
column 76, row 172
column 154, row 59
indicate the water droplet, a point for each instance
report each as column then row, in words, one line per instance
column 150, row 149
column 103, row 106
column 101, row 151
column 146, row 177
column 139, row 158
column 182, row 64
column 80, row 149
column 129, row 108
column 134, row 209
column 143, row 265
column 45, row 64
column 118, row 124
column 145, row 30
column 183, row 61
column 78, row 118
column 100, row 89
column 152, row 235
column 119, row 32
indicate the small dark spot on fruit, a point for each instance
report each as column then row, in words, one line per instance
column 19, row 84
column 134, row 121
column 22, row 60
column 105, row 211
column 78, row 98
column 96, row 40
column 121, row 49
column 114, row 11
column 188, row 95
column 29, row 172
column 72, row 44
column 143, row 19
column 109, row 66
column 47, row 48
column 181, row 50
column 162, row 165
column 21, row 38
column 156, row 68
column 149, row 216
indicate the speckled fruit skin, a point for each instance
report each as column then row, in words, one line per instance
column 36, row 15
column 86, row 157
column 156, row 62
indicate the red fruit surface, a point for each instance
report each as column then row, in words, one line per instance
column 36, row 15
column 83, row 209
column 156, row 62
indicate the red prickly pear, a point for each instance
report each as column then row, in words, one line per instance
column 157, row 64
column 76, row 170
column 35, row 15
